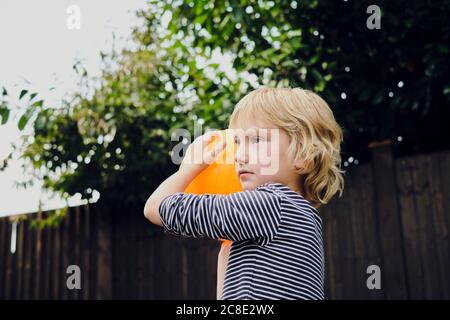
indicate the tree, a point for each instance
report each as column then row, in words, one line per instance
column 114, row 136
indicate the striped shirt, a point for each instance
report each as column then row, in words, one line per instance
column 277, row 249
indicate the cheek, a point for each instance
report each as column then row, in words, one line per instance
column 262, row 153
column 269, row 161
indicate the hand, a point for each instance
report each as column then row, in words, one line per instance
column 198, row 156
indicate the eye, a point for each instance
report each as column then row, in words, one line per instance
column 256, row 139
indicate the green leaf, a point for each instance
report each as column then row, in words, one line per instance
column 38, row 103
column 23, row 121
column 317, row 75
column 32, row 96
column 22, row 93
column 201, row 18
column 5, row 115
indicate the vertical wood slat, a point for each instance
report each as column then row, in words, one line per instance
column 43, row 293
column 388, row 221
column 93, row 249
column 176, row 275
column 36, row 272
column 133, row 274
column 355, row 213
column 341, row 281
column 407, row 210
column 440, row 228
column 149, row 262
column 104, row 254
column 20, row 255
column 214, row 249
column 331, row 273
column 120, row 258
column 77, row 249
column 72, row 249
column 50, row 262
column 61, row 269
column 442, row 166
column 33, row 274
column 57, row 275
column 427, row 246
column 369, row 228
column 27, row 260
column 349, row 271
column 84, row 253
column 3, row 256
column 162, row 251
column 65, row 226
column 8, row 262
column 14, row 263
column 185, row 274
column 141, row 257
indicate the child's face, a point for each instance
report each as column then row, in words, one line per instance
column 261, row 157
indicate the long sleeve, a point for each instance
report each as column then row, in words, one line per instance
column 248, row 215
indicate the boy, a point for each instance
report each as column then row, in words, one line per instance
column 288, row 161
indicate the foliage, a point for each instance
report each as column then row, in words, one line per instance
column 114, row 135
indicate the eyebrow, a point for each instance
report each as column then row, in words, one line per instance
column 266, row 131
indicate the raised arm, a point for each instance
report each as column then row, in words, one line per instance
column 246, row 215
column 197, row 158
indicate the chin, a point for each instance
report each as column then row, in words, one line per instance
column 246, row 185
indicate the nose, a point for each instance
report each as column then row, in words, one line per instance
column 241, row 156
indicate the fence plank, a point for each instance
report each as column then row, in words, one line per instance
column 43, row 293
column 407, row 210
column 104, row 258
column 56, row 273
column 93, row 250
column 21, row 250
column 76, row 211
column 3, row 256
column 84, row 252
column 329, row 224
column 33, row 252
column 345, row 239
column 50, row 259
column 425, row 222
column 370, row 227
column 8, row 262
column 27, row 260
column 389, row 224
column 356, row 213
column 442, row 166
column 149, row 262
column 65, row 226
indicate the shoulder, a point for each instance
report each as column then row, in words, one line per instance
column 289, row 195
column 273, row 187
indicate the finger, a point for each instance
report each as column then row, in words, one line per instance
column 211, row 134
column 209, row 137
column 218, row 149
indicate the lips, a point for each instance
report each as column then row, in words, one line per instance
column 244, row 171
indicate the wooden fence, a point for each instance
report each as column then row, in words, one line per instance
column 394, row 213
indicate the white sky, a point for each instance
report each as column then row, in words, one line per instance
column 37, row 52
column 36, row 45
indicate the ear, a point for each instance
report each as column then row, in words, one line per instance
column 299, row 165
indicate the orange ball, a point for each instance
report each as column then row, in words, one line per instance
column 220, row 176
